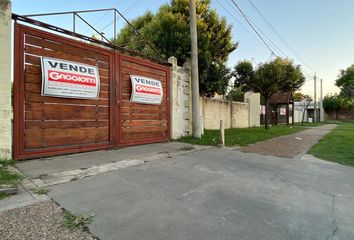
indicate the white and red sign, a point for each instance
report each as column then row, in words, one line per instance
column 282, row 111
column 66, row 79
column 146, row 90
column 262, row 109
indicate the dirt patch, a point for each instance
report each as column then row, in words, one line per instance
column 289, row 146
column 37, row 221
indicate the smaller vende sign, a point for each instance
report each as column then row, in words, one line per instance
column 68, row 79
column 146, row 90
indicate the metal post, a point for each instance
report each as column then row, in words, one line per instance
column 314, row 100
column 292, row 113
column 195, row 78
column 115, row 27
column 321, row 102
column 222, row 133
column 74, row 23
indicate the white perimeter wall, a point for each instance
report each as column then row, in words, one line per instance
column 5, row 81
column 234, row 114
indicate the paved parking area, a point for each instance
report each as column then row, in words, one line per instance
column 217, row 194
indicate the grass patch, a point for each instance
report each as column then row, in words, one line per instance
column 73, row 221
column 186, row 148
column 7, row 162
column 242, row 136
column 3, row 195
column 40, row 191
column 7, row 177
column 316, row 124
column 338, row 145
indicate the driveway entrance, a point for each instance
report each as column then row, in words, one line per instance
column 217, row 194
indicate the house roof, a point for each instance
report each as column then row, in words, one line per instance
column 281, row 98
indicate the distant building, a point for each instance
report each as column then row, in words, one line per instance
column 309, row 113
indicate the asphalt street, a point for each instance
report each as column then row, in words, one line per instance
column 217, row 194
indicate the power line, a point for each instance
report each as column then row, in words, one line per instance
column 270, row 42
column 100, row 19
column 267, row 39
column 239, row 22
column 279, row 35
column 136, row 3
column 254, row 29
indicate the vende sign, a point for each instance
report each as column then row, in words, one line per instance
column 68, row 79
column 146, row 90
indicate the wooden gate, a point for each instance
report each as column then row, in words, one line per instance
column 47, row 126
column 142, row 123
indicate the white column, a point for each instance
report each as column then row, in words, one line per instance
column 173, row 96
column 5, row 81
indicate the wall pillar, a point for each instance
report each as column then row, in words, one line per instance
column 5, row 81
column 253, row 100
column 173, row 87
column 181, row 101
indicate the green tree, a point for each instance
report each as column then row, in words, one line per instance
column 337, row 102
column 345, row 81
column 269, row 78
column 299, row 96
column 243, row 73
column 168, row 32
column 290, row 76
column 235, row 94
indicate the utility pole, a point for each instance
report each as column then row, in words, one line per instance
column 321, row 103
column 314, row 100
column 197, row 133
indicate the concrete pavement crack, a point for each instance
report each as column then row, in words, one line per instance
column 333, row 219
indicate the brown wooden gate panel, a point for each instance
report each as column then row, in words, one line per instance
column 142, row 123
column 46, row 126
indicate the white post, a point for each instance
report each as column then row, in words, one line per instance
column 321, row 103
column 195, row 75
column 173, row 87
column 315, row 100
column 222, row 133
column 5, row 81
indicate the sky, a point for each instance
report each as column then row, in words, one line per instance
column 319, row 32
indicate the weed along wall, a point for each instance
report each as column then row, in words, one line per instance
column 70, row 96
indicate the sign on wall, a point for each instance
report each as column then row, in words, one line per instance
column 283, row 111
column 146, row 90
column 263, row 109
column 66, row 79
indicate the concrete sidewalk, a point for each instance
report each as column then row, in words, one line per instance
column 55, row 170
column 292, row 145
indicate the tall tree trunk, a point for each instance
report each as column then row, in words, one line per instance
column 266, row 113
column 303, row 115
